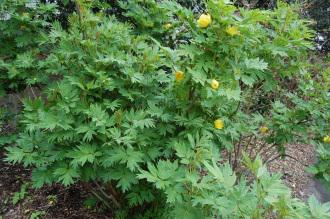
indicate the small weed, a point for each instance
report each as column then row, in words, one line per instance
column 37, row 214
column 18, row 196
column 90, row 202
column 52, row 199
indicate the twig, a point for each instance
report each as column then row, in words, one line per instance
column 100, row 198
column 113, row 190
column 267, row 148
column 285, row 155
column 268, row 161
column 261, row 147
column 19, row 98
column 78, row 9
column 109, row 196
column 34, row 95
column 251, row 148
column 237, row 150
column 272, row 153
column 248, row 143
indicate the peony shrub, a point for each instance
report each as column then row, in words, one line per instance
column 165, row 124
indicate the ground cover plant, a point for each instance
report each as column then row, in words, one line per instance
column 164, row 109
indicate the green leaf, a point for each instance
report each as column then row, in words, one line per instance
column 234, row 94
column 317, row 209
column 223, row 175
column 42, row 176
column 14, row 154
column 126, row 179
column 162, row 175
column 174, row 194
column 198, row 76
column 133, row 159
column 130, row 157
column 256, row 63
column 84, row 153
column 66, row 175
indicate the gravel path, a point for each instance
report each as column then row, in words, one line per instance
column 293, row 169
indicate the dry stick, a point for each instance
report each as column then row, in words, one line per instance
column 251, row 148
column 237, row 150
column 285, row 155
column 270, row 155
column 19, row 98
column 261, row 147
column 246, row 147
column 229, row 157
column 249, row 141
column 267, row 148
column 234, row 157
column 100, row 198
column 272, row 148
column 109, row 196
column 113, row 190
column 34, row 95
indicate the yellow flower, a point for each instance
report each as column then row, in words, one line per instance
column 168, row 26
column 264, row 129
column 232, row 31
column 204, row 20
column 215, row 84
column 218, row 124
column 326, row 139
column 179, row 75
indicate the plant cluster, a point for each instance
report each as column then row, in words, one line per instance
column 165, row 124
column 321, row 95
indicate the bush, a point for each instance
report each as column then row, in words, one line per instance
column 151, row 117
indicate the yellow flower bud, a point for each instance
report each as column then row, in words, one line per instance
column 179, row 75
column 326, row 139
column 168, row 26
column 204, row 20
column 215, row 84
column 264, row 129
column 232, row 31
column 218, row 124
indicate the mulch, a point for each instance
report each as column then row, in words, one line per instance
column 293, row 169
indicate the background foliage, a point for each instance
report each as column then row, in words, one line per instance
column 22, row 27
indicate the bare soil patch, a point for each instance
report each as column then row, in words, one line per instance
column 55, row 201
